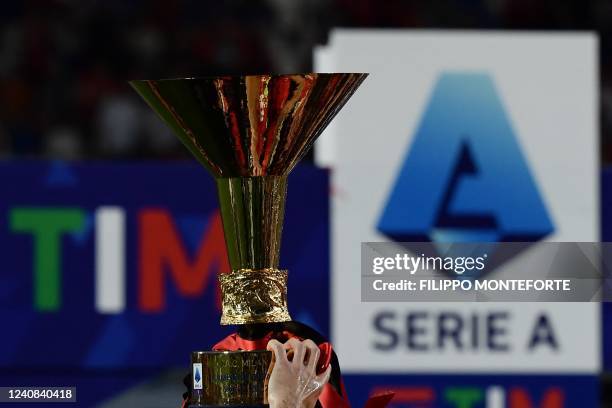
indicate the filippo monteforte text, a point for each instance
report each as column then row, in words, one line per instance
column 434, row 285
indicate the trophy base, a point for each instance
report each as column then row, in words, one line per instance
column 227, row 379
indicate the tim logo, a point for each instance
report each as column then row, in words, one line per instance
column 465, row 178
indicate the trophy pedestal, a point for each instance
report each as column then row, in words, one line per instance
column 229, row 379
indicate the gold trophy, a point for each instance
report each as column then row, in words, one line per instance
column 249, row 132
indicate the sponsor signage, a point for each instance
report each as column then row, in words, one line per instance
column 115, row 265
column 479, row 391
column 463, row 137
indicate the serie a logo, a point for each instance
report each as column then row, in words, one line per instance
column 465, row 178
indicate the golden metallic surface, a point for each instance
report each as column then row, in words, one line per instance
column 249, row 132
column 252, row 209
column 231, row 378
column 254, row 296
column 252, row 125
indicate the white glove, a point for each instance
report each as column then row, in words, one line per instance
column 295, row 384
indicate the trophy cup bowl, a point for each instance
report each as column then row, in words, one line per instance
column 249, row 132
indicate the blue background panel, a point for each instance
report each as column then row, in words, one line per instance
column 77, row 335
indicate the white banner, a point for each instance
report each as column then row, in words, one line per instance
column 462, row 136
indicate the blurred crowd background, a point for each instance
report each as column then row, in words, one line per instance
column 64, row 64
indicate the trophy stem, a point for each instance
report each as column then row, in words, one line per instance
column 252, row 209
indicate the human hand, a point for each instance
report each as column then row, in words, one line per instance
column 294, row 382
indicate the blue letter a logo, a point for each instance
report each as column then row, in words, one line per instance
column 465, row 178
